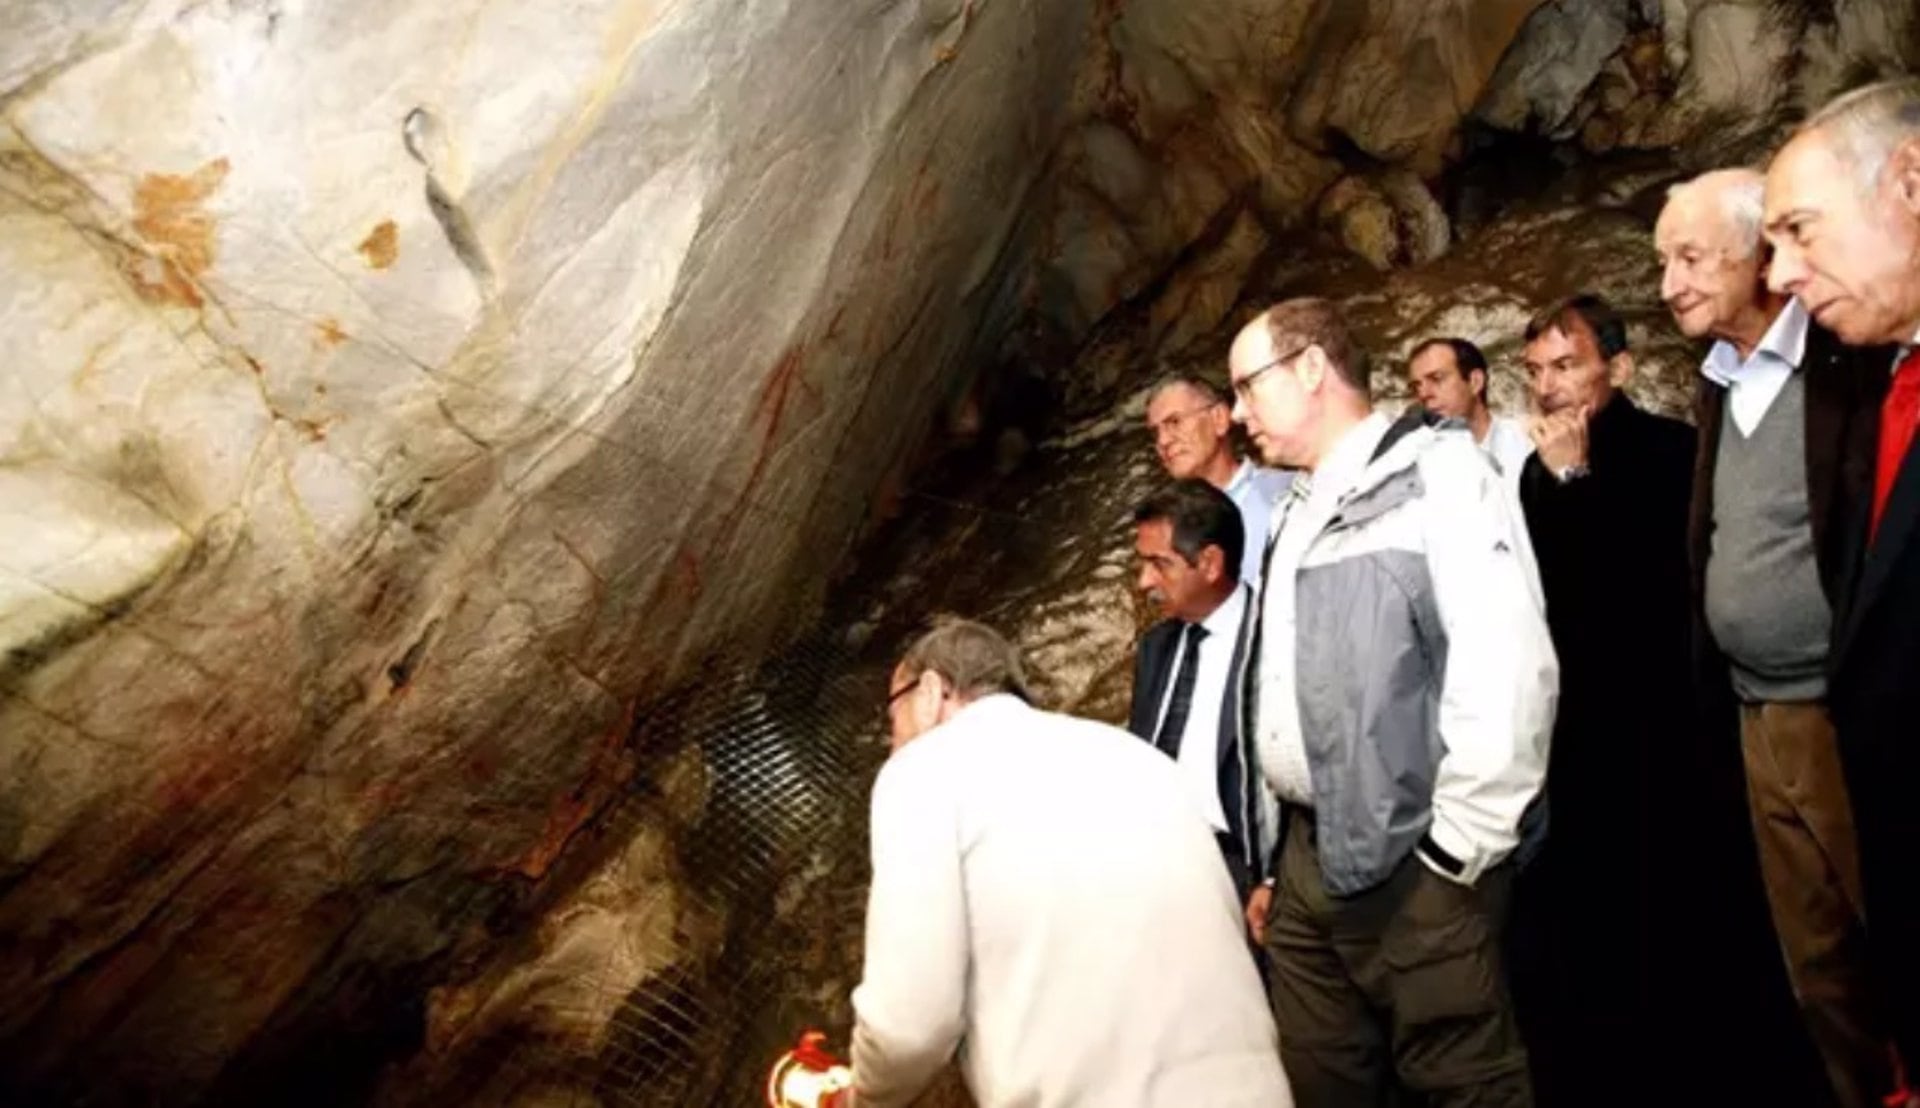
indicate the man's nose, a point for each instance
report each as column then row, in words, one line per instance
column 1239, row 412
column 1669, row 282
column 1787, row 271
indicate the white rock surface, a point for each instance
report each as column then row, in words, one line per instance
column 394, row 392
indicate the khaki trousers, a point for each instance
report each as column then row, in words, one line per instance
column 1811, row 867
column 1399, row 987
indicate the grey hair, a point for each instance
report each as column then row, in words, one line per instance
column 1742, row 196
column 974, row 658
column 1868, row 124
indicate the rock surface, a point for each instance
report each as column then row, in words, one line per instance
column 398, row 394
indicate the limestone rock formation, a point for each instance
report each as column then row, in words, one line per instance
column 398, row 393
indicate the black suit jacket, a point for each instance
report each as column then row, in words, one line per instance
column 1874, row 694
column 1237, row 775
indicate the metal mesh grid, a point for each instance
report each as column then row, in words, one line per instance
column 764, row 878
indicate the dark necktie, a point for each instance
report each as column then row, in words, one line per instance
column 1898, row 414
column 1174, row 723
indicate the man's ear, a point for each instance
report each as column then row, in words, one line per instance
column 1220, row 417
column 1903, row 173
column 1479, row 390
column 1620, row 369
column 1312, row 368
column 1212, row 564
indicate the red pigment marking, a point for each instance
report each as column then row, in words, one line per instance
column 607, row 775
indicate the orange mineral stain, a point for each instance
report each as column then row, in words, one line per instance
column 381, row 245
column 170, row 216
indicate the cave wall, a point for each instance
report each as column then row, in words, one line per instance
column 395, row 395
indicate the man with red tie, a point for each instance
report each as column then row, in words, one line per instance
column 1843, row 215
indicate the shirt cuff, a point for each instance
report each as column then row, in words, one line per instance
column 1450, row 854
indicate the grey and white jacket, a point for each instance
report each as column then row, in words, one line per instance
column 1404, row 682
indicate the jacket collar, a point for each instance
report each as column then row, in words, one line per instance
column 1348, row 463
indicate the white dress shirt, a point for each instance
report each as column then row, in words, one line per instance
column 1283, row 749
column 1508, row 445
column 1200, row 740
column 1044, row 894
column 1753, row 384
column 1255, row 490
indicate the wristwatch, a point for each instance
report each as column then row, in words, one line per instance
column 1566, row 475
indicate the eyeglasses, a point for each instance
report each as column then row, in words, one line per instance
column 1177, row 422
column 1243, row 388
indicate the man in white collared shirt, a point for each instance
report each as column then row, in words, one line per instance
column 1449, row 378
column 1785, row 415
column 1189, row 538
column 1188, row 416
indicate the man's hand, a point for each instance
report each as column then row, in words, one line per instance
column 1257, row 905
column 1561, row 438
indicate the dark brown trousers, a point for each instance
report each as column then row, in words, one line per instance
column 1811, row 867
column 1397, row 988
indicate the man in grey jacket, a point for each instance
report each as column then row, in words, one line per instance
column 1401, row 699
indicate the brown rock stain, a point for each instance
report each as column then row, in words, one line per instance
column 328, row 332
column 606, row 776
column 382, row 245
column 169, row 214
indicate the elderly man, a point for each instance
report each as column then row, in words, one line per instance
column 1449, row 378
column 1843, row 216
column 1401, row 700
column 1786, row 418
column 1044, row 890
column 1188, row 416
column 1187, row 671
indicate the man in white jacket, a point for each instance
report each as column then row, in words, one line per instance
column 1045, row 892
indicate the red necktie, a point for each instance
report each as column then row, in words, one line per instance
column 1898, row 414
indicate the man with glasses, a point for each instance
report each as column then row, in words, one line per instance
column 1188, row 417
column 1401, row 696
column 1045, row 891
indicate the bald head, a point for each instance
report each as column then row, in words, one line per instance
column 1712, row 272
column 1843, row 214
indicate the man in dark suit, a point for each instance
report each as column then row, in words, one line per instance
column 1189, row 539
column 1604, row 917
column 1786, row 416
column 1843, row 216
